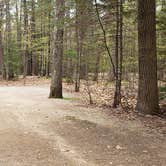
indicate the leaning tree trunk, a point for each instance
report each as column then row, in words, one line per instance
column 56, row 83
column 147, row 88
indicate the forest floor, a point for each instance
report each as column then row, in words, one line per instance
column 37, row 131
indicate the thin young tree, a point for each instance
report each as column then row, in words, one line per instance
column 81, row 29
column 147, row 88
column 56, row 83
column 117, row 65
column 78, row 48
column 1, row 45
column 18, row 25
column 33, row 28
column 118, row 52
column 10, row 72
column 25, row 34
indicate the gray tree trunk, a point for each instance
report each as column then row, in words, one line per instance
column 56, row 83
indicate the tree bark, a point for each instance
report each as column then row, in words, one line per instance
column 10, row 72
column 118, row 53
column 33, row 31
column 25, row 56
column 1, row 44
column 56, row 83
column 147, row 88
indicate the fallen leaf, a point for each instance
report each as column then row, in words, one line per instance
column 118, row 147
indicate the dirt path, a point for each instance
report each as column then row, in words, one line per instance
column 37, row 131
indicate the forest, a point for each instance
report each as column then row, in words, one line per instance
column 83, row 82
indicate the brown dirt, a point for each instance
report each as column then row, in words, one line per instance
column 37, row 131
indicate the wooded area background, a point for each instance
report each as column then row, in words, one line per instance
column 99, row 42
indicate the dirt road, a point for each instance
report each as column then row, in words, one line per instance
column 37, row 131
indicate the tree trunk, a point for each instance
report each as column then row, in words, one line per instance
column 1, row 45
column 147, row 88
column 118, row 53
column 49, row 42
column 33, row 31
column 10, row 72
column 77, row 76
column 25, row 56
column 19, row 34
column 56, row 83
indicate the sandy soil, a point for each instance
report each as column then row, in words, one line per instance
column 37, row 131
